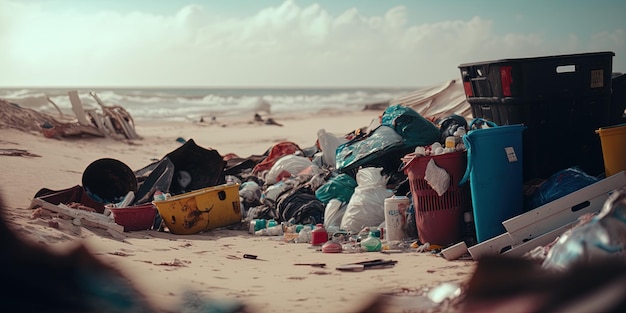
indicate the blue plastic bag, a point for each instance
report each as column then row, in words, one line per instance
column 558, row 185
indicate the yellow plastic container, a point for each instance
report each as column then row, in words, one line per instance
column 613, row 141
column 201, row 210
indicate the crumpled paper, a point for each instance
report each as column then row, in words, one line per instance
column 437, row 177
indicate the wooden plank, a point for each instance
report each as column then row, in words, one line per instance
column 77, row 107
column 98, row 120
column 118, row 113
column 112, row 131
column 115, row 232
column 130, row 130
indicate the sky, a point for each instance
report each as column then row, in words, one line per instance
column 289, row 43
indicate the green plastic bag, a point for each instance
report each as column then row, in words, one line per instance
column 414, row 128
column 340, row 187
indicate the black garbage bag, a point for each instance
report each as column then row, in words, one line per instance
column 301, row 206
column 195, row 168
column 159, row 178
column 449, row 125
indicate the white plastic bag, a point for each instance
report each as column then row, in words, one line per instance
column 335, row 209
column 288, row 164
column 366, row 206
column 328, row 144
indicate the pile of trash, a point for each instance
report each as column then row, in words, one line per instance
column 341, row 183
column 334, row 195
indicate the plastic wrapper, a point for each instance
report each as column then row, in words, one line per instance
column 437, row 177
column 603, row 236
column 354, row 153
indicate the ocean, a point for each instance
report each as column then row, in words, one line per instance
column 181, row 104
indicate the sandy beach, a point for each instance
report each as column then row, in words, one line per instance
column 165, row 266
column 236, row 79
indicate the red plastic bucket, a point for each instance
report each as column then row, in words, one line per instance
column 133, row 218
column 439, row 219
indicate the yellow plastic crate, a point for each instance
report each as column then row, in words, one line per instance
column 201, row 210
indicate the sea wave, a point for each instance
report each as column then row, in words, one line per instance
column 195, row 103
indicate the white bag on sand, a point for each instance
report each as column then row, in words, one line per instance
column 328, row 144
column 287, row 165
column 366, row 206
column 333, row 214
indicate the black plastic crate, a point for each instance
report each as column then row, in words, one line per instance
column 561, row 110
column 558, row 135
column 618, row 98
column 538, row 78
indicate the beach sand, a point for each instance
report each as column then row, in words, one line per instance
column 165, row 266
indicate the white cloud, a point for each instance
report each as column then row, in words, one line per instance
column 605, row 39
column 284, row 45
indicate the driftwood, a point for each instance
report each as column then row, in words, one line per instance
column 117, row 119
column 28, row 120
column 77, row 107
column 113, row 121
column 59, row 110
column 17, row 152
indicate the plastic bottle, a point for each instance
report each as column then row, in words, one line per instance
column 470, row 229
column 319, row 235
column 304, row 235
column 273, row 191
column 159, row 196
column 372, row 243
column 260, row 223
column 276, row 230
column 271, row 223
column 257, row 224
column 395, row 217
column 451, row 142
column 410, row 227
column 250, row 192
column 299, row 227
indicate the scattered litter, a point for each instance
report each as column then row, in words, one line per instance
column 444, row 291
column 17, row 152
column 366, row 265
column 311, row 264
column 252, row 257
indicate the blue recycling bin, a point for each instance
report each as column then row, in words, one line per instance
column 495, row 174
